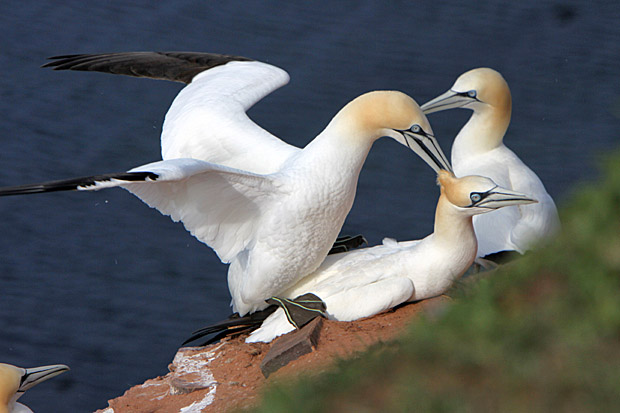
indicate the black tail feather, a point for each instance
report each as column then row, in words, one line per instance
column 232, row 326
column 298, row 311
column 231, row 332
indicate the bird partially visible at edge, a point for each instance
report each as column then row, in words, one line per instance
column 14, row 381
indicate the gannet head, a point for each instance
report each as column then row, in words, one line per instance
column 473, row 195
column 394, row 114
column 14, row 381
column 478, row 89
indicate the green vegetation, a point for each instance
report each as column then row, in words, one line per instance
column 540, row 334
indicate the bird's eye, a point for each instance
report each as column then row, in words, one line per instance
column 475, row 197
column 416, row 129
column 471, row 94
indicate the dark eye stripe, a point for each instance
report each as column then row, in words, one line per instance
column 469, row 94
column 482, row 195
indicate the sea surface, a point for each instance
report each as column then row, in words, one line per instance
column 103, row 283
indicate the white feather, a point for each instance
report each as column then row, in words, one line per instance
column 208, row 121
column 269, row 209
column 368, row 281
column 516, row 227
column 218, row 205
column 478, row 149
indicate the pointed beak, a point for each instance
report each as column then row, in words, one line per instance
column 428, row 149
column 448, row 100
column 501, row 197
column 36, row 375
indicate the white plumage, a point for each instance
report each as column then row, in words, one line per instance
column 207, row 120
column 478, row 149
column 269, row 209
column 368, row 281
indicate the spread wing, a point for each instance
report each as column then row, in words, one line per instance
column 218, row 205
column 208, row 119
column 174, row 66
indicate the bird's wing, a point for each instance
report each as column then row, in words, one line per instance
column 493, row 229
column 220, row 206
column 340, row 272
column 174, row 66
column 365, row 300
column 357, row 301
column 208, row 119
column 537, row 221
column 513, row 227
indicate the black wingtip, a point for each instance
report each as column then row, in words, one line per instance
column 76, row 183
column 55, row 59
column 174, row 66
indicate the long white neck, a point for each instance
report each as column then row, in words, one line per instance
column 341, row 148
column 483, row 132
column 353, row 130
column 455, row 231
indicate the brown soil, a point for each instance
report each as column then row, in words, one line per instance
column 227, row 375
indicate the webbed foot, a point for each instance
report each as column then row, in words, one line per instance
column 301, row 310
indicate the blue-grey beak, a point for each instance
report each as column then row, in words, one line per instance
column 448, row 100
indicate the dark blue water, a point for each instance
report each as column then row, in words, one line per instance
column 110, row 287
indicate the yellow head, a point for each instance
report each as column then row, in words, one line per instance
column 474, row 194
column 10, row 377
column 394, row 114
column 484, row 91
column 379, row 111
column 489, row 87
column 14, row 381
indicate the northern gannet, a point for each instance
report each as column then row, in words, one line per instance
column 478, row 149
column 14, row 381
column 368, row 281
column 269, row 209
